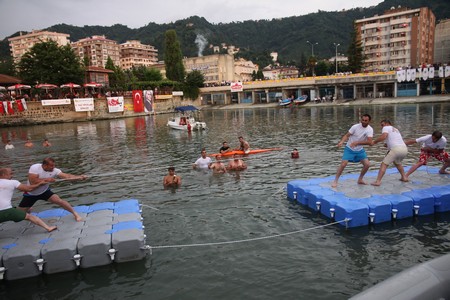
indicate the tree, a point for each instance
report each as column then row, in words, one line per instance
column 355, row 52
column 46, row 62
column 7, row 67
column 144, row 73
column 173, row 58
column 194, row 81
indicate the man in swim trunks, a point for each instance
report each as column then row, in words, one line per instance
column 47, row 170
column 218, row 166
column 433, row 145
column 236, row 164
column 9, row 213
column 358, row 135
column 243, row 145
column 397, row 150
column 171, row 180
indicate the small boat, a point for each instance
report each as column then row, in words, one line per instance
column 185, row 120
column 285, row 102
column 240, row 152
column 300, row 100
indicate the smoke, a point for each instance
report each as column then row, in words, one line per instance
column 201, row 42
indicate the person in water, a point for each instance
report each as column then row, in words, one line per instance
column 203, row 162
column 225, row 148
column 236, row 164
column 243, row 145
column 171, row 180
column 295, row 154
column 218, row 166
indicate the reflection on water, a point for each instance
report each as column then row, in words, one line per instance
column 127, row 158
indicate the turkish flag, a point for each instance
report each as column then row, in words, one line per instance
column 2, row 110
column 10, row 108
column 20, row 105
column 138, row 101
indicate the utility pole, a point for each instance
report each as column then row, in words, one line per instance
column 336, row 45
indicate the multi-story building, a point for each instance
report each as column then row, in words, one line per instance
column 97, row 49
column 19, row 45
column 442, row 42
column 217, row 69
column 134, row 54
column 244, row 69
column 280, row 72
column 400, row 37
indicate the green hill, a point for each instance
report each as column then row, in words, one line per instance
column 287, row 36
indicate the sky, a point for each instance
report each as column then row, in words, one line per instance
column 27, row 15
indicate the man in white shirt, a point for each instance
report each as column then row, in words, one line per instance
column 9, row 145
column 358, row 135
column 9, row 213
column 203, row 162
column 397, row 150
column 433, row 145
column 47, row 171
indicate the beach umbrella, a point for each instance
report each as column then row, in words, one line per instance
column 2, row 88
column 46, row 86
column 71, row 86
column 19, row 87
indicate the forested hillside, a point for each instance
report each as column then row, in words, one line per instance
column 287, row 36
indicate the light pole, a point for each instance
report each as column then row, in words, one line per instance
column 312, row 55
column 336, row 45
column 312, row 47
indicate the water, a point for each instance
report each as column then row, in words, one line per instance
column 128, row 158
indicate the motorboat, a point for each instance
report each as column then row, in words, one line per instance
column 185, row 119
column 300, row 100
column 285, row 102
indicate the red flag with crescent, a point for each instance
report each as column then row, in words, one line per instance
column 19, row 104
column 10, row 108
column 138, row 101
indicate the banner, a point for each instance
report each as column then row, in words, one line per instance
column 431, row 72
column 138, row 101
column 84, row 104
column 447, row 71
column 425, row 73
column 441, row 72
column 55, row 102
column 236, row 86
column 115, row 104
column 148, row 100
column 20, row 105
column 5, row 106
column 10, row 107
column 413, row 74
column 408, row 75
column 2, row 109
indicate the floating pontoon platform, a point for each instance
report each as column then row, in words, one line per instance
column 110, row 232
column 427, row 192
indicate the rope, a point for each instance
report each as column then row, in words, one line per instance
column 145, row 205
column 246, row 240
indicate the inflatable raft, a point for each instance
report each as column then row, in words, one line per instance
column 359, row 205
column 110, row 232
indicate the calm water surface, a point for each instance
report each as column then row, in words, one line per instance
column 127, row 158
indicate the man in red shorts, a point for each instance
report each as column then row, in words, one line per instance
column 433, row 145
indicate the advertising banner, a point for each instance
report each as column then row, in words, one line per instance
column 55, row 102
column 83, row 104
column 236, row 86
column 115, row 104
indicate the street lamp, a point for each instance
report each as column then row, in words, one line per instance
column 336, row 45
column 312, row 47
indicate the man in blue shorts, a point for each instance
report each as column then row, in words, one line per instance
column 9, row 213
column 358, row 135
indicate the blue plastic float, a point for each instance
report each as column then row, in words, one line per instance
column 110, row 232
column 427, row 192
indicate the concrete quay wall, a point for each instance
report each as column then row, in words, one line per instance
column 36, row 113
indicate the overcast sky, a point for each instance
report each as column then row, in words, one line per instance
column 26, row 15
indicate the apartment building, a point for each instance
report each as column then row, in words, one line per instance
column 19, row 45
column 217, row 69
column 400, row 37
column 442, row 42
column 244, row 70
column 134, row 54
column 97, row 49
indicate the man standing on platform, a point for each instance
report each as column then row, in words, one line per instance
column 358, row 135
column 433, row 145
column 397, row 150
column 47, row 171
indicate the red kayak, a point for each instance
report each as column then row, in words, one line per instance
column 240, row 152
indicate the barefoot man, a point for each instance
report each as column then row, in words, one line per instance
column 358, row 135
column 47, row 171
column 9, row 213
column 433, row 145
column 397, row 150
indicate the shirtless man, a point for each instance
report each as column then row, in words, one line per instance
column 46, row 143
column 218, row 166
column 171, row 180
column 236, row 164
column 28, row 143
column 243, row 145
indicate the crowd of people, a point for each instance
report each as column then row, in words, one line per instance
column 28, row 144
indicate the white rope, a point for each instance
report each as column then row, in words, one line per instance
column 247, row 240
column 145, row 205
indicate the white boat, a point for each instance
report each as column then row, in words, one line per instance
column 185, row 120
column 301, row 99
